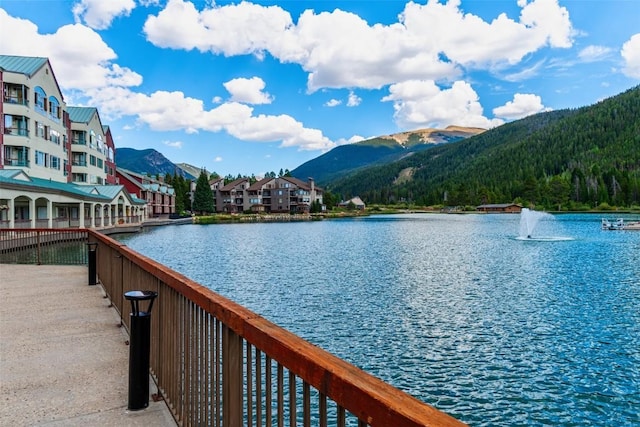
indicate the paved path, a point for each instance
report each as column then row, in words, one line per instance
column 63, row 358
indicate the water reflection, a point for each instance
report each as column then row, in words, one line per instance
column 451, row 308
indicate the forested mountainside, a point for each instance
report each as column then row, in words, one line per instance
column 575, row 158
column 149, row 162
column 346, row 159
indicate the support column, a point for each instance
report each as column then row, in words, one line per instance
column 81, row 214
column 12, row 214
column 50, row 213
column 101, row 217
column 92, row 215
column 32, row 212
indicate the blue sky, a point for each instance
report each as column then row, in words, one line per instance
column 253, row 87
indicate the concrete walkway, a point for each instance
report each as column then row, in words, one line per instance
column 63, row 358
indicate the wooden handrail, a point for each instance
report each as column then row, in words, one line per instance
column 373, row 401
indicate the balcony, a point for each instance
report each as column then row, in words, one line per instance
column 15, row 99
column 24, row 163
column 16, row 131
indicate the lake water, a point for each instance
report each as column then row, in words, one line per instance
column 457, row 310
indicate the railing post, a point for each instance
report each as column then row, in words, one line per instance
column 231, row 378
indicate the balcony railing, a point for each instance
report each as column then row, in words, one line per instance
column 16, row 131
column 16, row 99
column 218, row 364
column 17, row 162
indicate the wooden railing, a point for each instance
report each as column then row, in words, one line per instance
column 217, row 363
column 43, row 246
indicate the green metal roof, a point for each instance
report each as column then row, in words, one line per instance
column 105, row 193
column 27, row 65
column 81, row 114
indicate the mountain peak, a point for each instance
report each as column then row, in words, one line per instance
column 434, row 136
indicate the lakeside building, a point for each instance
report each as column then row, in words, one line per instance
column 160, row 197
column 356, row 202
column 500, row 208
column 268, row 195
column 57, row 166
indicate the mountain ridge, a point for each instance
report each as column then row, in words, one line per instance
column 349, row 158
column 571, row 158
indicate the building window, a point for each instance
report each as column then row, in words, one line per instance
column 54, row 136
column 92, row 160
column 79, row 137
column 40, row 99
column 79, row 177
column 65, row 165
column 54, row 108
column 99, row 163
column 41, row 158
column 79, row 159
column 54, row 162
column 40, row 127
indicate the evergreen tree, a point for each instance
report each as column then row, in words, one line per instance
column 203, row 196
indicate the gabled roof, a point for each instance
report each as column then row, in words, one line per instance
column 357, row 201
column 300, row 183
column 27, row 65
column 129, row 176
column 230, row 186
column 259, row 184
column 82, row 114
column 17, row 174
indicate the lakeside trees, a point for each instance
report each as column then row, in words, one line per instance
column 203, row 195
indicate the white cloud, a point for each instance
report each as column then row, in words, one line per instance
column 523, row 104
column 249, row 91
column 594, row 53
column 353, row 100
column 429, row 42
column 239, row 29
column 332, row 103
column 174, row 144
column 169, row 111
column 84, row 65
column 218, row 159
column 98, row 14
column 525, row 73
column 352, row 140
column 631, row 55
column 422, row 104
column 79, row 56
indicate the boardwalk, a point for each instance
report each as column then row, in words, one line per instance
column 63, row 358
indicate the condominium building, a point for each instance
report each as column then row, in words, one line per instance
column 269, row 195
column 34, row 135
column 90, row 150
column 55, row 160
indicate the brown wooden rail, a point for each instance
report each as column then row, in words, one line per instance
column 217, row 363
column 43, row 246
